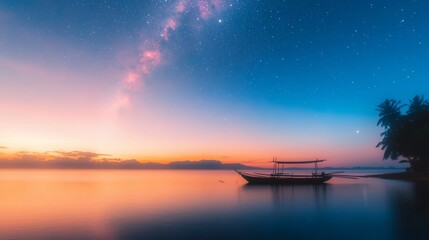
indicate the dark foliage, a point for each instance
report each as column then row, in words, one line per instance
column 406, row 135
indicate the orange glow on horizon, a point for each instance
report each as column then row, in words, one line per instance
column 252, row 158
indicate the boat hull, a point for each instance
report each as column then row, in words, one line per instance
column 289, row 179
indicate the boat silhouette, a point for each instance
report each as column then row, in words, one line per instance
column 278, row 176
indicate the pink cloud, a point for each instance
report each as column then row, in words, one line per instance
column 171, row 24
column 153, row 56
column 204, row 9
column 149, row 60
column 181, row 6
column 132, row 78
column 208, row 7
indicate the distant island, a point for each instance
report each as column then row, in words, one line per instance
column 134, row 164
column 123, row 164
column 93, row 160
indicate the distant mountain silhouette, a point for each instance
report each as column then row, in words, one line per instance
column 201, row 164
column 205, row 164
column 82, row 161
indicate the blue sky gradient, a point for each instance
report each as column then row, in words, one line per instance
column 242, row 80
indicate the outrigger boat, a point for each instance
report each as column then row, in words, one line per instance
column 278, row 176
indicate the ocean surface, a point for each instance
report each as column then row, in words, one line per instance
column 200, row 204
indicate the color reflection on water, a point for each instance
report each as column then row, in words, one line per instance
column 173, row 204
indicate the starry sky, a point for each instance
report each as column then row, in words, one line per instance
column 233, row 80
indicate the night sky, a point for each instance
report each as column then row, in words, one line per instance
column 238, row 81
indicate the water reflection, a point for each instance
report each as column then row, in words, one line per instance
column 285, row 195
column 196, row 205
column 411, row 211
column 339, row 210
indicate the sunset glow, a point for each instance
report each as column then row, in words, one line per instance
column 207, row 79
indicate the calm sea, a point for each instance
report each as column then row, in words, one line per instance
column 195, row 204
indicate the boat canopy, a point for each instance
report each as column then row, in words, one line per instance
column 298, row 162
column 278, row 168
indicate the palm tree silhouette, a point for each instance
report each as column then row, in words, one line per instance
column 405, row 135
column 389, row 118
column 389, row 112
column 418, row 106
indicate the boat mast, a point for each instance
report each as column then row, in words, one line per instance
column 315, row 166
column 278, row 167
column 274, row 166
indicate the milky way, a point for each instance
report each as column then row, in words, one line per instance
column 151, row 52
